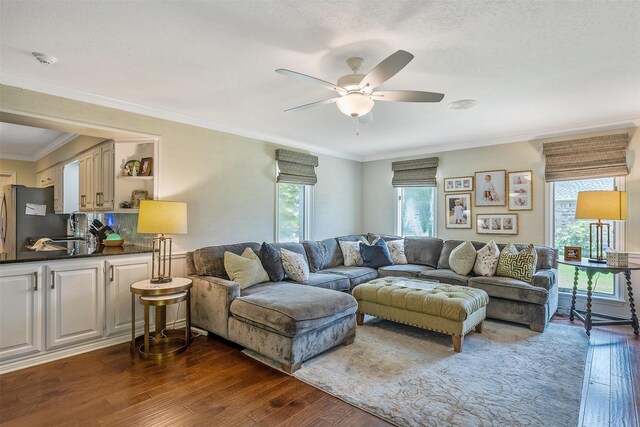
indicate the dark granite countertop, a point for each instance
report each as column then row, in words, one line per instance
column 75, row 249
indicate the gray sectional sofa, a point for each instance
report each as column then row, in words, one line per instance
column 289, row 322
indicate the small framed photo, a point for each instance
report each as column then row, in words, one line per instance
column 572, row 253
column 145, row 166
column 458, row 183
column 490, row 188
column 458, row 214
column 136, row 196
column 498, row 223
column 520, row 191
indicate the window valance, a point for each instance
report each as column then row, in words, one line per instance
column 415, row 173
column 296, row 168
column 586, row 158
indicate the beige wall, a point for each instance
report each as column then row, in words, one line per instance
column 228, row 181
column 25, row 171
column 67, row 151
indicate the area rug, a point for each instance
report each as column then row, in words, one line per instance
column 505, row 376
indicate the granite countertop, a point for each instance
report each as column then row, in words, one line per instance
column 75, row 249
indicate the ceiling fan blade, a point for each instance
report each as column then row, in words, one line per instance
column 406, row 96
column 313, row 104
column 366, row 119
column 310, row 79
column 386, row 69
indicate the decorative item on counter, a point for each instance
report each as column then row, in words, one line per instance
column 100, row 230
column 617, row 259
column 136, row 196
column 131, row 168
column 113, row 239
column 572, row 253
column 145, row 166
column 125, row 205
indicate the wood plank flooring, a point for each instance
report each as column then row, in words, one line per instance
column 214, row 384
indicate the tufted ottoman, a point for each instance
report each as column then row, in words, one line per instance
column 449, row 309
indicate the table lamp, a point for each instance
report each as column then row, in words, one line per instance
column 162, row 217
column 599, row 205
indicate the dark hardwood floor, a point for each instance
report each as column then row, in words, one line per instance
column 214, row 384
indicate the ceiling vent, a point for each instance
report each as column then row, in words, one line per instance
column 44, row 58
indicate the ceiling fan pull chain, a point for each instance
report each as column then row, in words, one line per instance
column 355, row 121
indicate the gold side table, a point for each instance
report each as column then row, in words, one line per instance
column 165, row 342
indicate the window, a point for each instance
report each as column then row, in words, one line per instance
column 416, row 211
column 293, row 212
column 568, row 231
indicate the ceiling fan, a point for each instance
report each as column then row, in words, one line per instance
column 357, row 91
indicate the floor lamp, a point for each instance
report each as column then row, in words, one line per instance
column 601, row 205
column 162, row 217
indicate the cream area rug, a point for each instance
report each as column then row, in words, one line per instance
column 506, row 376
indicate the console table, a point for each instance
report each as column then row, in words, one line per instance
column 586, row 316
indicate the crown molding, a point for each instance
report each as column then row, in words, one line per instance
column 56, row 143
column 17, row 157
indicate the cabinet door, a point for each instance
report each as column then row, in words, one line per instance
column 75, row 302
column 20, row 311
column 121, row 273
column 58, row 189
column 84, row 181
column 40, row 180
column 107, row 176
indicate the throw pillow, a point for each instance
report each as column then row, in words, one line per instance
column 351, row 253
column 270, row 258
column 376, row 255
column 396, row 249
column 518, row 265
column 294, row 265
column 463, row 258
column 245, row 269
column 487, row 260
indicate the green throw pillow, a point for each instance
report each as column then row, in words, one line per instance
column 463, row 258
column 518, row 265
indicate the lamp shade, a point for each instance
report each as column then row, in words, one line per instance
column 355, row 104
column 162, row 217
column 608, row 205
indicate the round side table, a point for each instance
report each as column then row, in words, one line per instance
column 165, row 342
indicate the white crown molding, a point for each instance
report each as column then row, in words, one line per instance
column 10, row 79
column 56, row 143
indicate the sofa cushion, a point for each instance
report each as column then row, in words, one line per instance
column 403, row 270
column 323, row 254
column 396, row 249
column 209, row 261
column 445, row 276
column 517, row 264
column 487, row 260
column 373, row 237
column 335, row 282
column 270, row 258
column 356, row 275
column 450, row 245
column 246, row 269
column 422, row 250
column 375, row 255
column 463, row 258
column 510, row 289
column 294, row 265
column 291, row 310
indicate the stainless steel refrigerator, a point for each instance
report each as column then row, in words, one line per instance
column 28, row 213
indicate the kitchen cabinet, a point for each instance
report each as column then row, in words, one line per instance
column 75, row 302
column 121, row 273
column 86, row 177
column 20, row 311
column 58, row 190
column 44, row 179
column 105, row 182
column 96, row 178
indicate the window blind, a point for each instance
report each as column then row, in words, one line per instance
column 415, row 173
column 296, row 168
column 585, row 158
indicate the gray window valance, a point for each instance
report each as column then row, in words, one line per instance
column 296, row 168
column 586, row 158
column 415, row 173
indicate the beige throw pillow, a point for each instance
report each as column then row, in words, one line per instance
column 351, row 253
column 245, row 269
column 294, row 265
column 396, row 249
column 463, row 258
column 487, row 260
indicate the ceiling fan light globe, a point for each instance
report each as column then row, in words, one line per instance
column 355, row 104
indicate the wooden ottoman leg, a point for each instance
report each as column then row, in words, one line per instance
column 457, row 342
column 359, row 318
column 479, row 327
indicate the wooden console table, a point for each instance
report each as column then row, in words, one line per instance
column 586, row 316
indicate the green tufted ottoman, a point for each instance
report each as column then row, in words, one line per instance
column 449, row 309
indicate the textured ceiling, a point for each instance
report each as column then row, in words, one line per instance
column 29, row 143
column 536, row 68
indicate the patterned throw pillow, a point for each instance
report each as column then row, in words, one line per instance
column 518, row 265
column 351, row 253
column 245, row 269
column 396, row 249
column 487, row 260
column 463, row 258
column 294, row 265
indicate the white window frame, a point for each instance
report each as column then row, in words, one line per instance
column 307, row 213
column 397, row 215
column 620, row 234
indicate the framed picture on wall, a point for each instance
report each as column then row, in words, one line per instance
column 458, row 183
column 458, row 214
column 497, row 223
column 490, row 188
column 520, row 190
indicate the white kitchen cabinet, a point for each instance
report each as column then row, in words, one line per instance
column 75, row 302
column 85, row 164
column 21, row 291
column 121, row 273
column 105, row 177
column 44, row 178
column 58, row 190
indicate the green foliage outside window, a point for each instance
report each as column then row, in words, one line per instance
column 417, row 215
column 290, row 212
